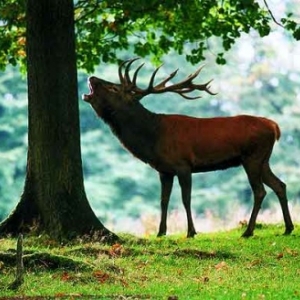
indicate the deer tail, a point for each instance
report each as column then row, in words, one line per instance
column 277, row 131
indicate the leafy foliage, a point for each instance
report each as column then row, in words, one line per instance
column 147, row 28
column 12, row 33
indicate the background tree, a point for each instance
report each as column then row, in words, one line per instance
column 53, row 200
column 102, row 29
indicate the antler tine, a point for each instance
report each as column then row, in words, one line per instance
column 204, row 87
column 162, row 84
column 187, row 86
column 195, row 74
column 188, row 79
column 201, row 87
column 125, row 79
column 127, row 68
column 120, row 71
column 188, row 97
column 150, row 86
column 136, row 74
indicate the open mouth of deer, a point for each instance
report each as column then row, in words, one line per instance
column 88, row 97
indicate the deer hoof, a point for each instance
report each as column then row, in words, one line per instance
column 160, row 234
column 191, row 234
column 288, row 231
column 247, row 234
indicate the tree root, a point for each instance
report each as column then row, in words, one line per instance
column 43, row 260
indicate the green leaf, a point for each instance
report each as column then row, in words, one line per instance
column 104, row 28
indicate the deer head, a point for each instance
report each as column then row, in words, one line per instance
column 127, row 90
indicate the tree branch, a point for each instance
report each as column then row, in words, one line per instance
column 271, row 14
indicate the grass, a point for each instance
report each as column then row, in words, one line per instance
column 211, row 266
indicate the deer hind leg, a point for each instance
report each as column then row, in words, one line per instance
column 254, row 170
column 166, row 189
column 185, row 182
column 279, row 188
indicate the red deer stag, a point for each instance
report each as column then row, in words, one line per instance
column 178, row 145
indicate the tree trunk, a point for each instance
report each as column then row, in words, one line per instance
column 54, row 200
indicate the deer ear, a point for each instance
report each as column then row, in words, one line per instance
column 130, row 96
column 137, row 97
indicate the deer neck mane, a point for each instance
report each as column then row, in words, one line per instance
column 136, row 127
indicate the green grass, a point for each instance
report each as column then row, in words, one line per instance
column 211, row 266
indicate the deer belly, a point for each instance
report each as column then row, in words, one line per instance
column 217, row 165
column 197, row 159
column 214, row 158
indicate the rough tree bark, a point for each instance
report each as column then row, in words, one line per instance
column 54, row 200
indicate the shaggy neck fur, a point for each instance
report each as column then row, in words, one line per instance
column 136, row 127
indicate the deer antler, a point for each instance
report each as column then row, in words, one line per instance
column 182, row 88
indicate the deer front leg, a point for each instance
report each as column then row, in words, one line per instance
column 166, row 181
column 258, row 198
column 185, row 182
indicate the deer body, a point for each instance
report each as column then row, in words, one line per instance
column 208, row 144
column 178, row 145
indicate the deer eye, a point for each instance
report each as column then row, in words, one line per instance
column 113, row 89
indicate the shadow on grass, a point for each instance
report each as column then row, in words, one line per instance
column 33, row 260
column 74, row 297
column 192, row 253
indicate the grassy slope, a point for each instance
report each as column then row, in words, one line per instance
column 210, row 266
